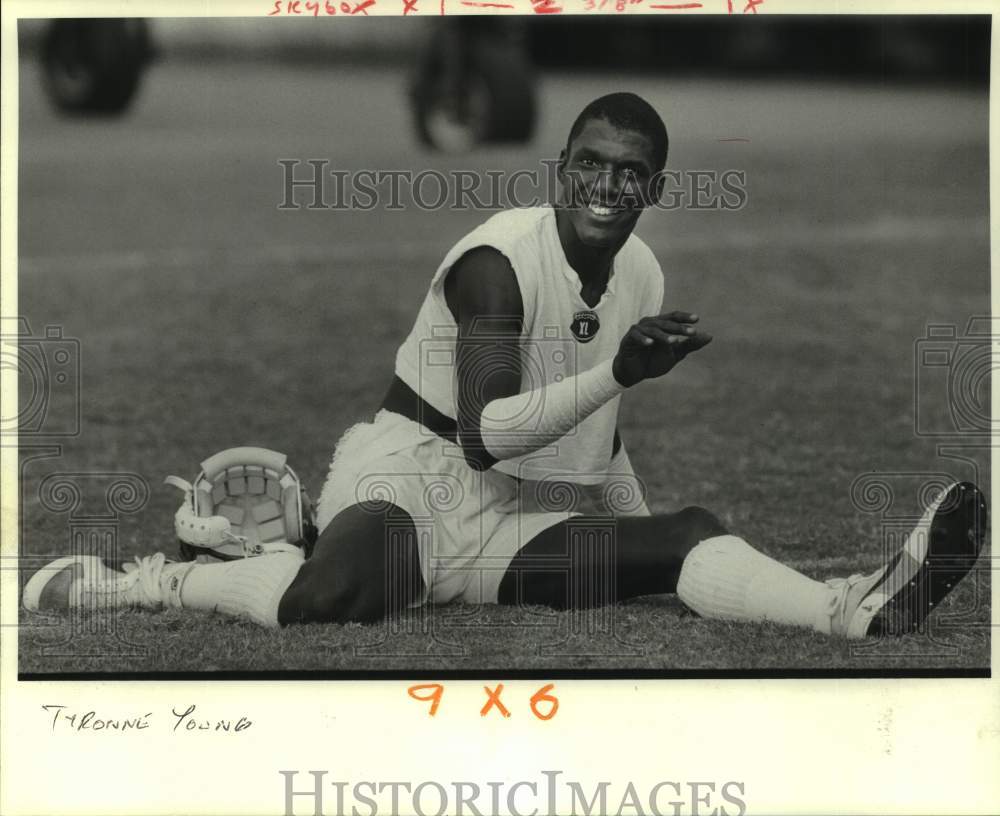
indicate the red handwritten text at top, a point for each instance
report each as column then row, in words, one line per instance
column 618, row 5
column 330, row 8
column 545, row 7
column 314, row 8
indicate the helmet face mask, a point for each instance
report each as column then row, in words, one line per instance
column 245, row 502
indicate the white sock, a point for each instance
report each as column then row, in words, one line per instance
column 726, row 578
column 250, row 587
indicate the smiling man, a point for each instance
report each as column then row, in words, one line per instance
column 500, row 426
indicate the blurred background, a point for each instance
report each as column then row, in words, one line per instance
column 474, row 77
column 943, row 47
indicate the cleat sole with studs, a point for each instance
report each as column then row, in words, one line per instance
column 956, row 537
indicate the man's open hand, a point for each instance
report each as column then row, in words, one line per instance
column 655, row 345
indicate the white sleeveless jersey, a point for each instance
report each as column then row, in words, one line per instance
column 562, row 335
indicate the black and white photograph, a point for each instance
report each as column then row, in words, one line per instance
column 407, row 343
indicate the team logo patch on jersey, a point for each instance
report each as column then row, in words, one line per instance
column 584, row 326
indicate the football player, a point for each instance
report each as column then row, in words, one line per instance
column 500, row 427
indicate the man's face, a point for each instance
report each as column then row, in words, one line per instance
column 605, row 174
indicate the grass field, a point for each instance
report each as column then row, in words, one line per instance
column 208, row 318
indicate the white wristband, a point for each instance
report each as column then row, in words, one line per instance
column 514, row 426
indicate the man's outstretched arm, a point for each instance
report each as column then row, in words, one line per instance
column 497, row 422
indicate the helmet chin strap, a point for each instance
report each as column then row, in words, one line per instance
column 253, row 549
column 213, row 532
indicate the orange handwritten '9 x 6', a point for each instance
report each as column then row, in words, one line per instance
column 543, row 704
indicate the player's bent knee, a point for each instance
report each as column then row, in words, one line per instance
column 366, row 566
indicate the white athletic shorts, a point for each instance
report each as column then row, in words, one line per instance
column 469, row 524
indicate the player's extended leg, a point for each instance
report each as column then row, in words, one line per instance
column 248, row 587
column 579, row 563
column 721, row 576
column 365, row 565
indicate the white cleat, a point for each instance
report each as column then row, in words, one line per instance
column 79, row 582
column 936, row 555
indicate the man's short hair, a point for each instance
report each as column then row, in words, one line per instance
column 626, row 111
